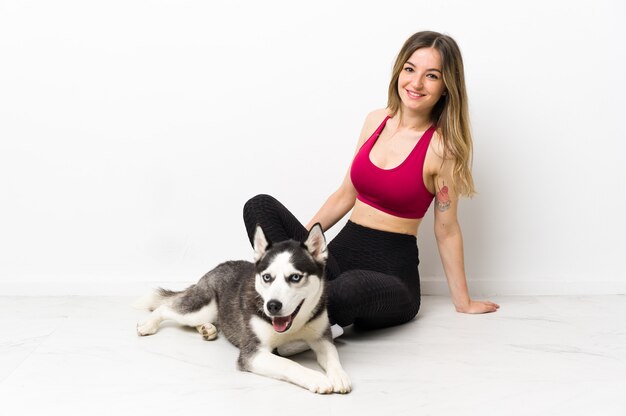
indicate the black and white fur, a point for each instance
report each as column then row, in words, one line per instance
column 260, row 306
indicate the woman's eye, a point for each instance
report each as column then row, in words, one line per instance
column 432, row 76
column 266, row 277
column 408, row 69
column 295, row 277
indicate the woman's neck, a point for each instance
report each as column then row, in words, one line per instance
column 415, row 122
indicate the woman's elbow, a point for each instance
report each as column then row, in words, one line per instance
column 346, row 196
column 445, row 230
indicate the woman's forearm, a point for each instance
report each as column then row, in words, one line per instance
column 336, row 206
column 451, row 251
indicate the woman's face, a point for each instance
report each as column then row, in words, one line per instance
column 420, row 84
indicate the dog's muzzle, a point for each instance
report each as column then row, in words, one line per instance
column 283, row 323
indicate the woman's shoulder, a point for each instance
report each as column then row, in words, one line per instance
column 371, row 123
column 377, row 115
column 374, row 118
column 436, row 143
column 435, row 158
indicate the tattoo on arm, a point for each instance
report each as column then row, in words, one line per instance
column 442, row 199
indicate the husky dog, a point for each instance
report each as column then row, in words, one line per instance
column 260, row 306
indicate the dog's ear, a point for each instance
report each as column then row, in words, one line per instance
column 260, row 243
column 316, row 243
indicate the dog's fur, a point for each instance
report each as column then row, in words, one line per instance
column 254, row 304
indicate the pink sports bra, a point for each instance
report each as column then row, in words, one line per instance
column 398, row 191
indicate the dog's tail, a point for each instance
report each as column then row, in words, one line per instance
column 154, row 299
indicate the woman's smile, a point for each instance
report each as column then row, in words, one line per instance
column 414, row 95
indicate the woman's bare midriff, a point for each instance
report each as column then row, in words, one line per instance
column 371, row 217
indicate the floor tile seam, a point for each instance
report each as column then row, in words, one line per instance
column 44, row 339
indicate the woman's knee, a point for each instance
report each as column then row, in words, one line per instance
column 414, row 309
column 370, row 300
column 259, row 207
column 258, row 201
column 387, row 320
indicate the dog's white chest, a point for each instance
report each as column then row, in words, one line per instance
column 271, row 339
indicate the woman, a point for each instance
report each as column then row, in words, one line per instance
column 415, row 150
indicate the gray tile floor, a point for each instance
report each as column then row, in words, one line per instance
column 548, row 355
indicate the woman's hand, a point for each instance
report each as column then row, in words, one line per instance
column 478, row 306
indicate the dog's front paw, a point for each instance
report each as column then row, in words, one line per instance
column 208, row 331
column 319, row 384
column 146, row 329
column 340, row 381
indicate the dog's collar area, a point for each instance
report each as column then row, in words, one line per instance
column 283, row 323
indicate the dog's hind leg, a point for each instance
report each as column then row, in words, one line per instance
column 208, row 331
column 157, row 302
column 151, row 326
column 202, row 301
column 196, row 306
column 199, row 318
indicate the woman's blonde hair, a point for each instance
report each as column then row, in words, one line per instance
column 450, row 114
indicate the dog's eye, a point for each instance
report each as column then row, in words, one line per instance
column 295, row 278
column 266, row 277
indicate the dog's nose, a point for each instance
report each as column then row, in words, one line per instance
column 274, row 306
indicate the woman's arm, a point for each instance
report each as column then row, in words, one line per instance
column 450, row 244
column 336, row 206
column 342, row 200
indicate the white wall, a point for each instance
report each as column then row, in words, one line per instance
column 132, row 132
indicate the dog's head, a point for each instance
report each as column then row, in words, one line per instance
column 290, row 277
